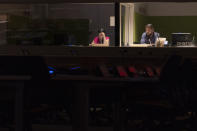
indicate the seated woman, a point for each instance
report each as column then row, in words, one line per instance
column 101, row 38
column 149, row 36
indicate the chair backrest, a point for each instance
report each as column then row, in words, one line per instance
column 178, row 78
column 171, row 69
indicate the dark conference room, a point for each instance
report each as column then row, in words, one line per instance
column 88, row 65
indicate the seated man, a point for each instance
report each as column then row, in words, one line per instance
column 149, row 36
column 101, row 38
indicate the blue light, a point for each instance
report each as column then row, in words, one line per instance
column 74, row 68
column 51, row 68
column 51, row 72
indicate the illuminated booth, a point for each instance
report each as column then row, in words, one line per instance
column 72, row 24
column 175, row 23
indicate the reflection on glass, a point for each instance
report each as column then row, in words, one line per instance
column 54, row 24
column 122, row 29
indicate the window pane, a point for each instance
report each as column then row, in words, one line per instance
column 55, row 24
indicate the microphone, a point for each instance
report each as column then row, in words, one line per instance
column 149, row 41
column 158, row 35
column 158, row 38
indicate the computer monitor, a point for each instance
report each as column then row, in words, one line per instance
column 181, row 39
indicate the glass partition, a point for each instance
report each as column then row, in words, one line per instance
column 55, row 24
column 87, row 24
column 173, row 24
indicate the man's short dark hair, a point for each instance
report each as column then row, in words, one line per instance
column 149, row 26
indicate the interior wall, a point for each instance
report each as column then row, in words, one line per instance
column 15, row 9
column 98, row 15
column 171, row 9
column 166, row 25
column 140, row 21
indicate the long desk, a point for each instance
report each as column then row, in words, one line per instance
column 82, row 86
